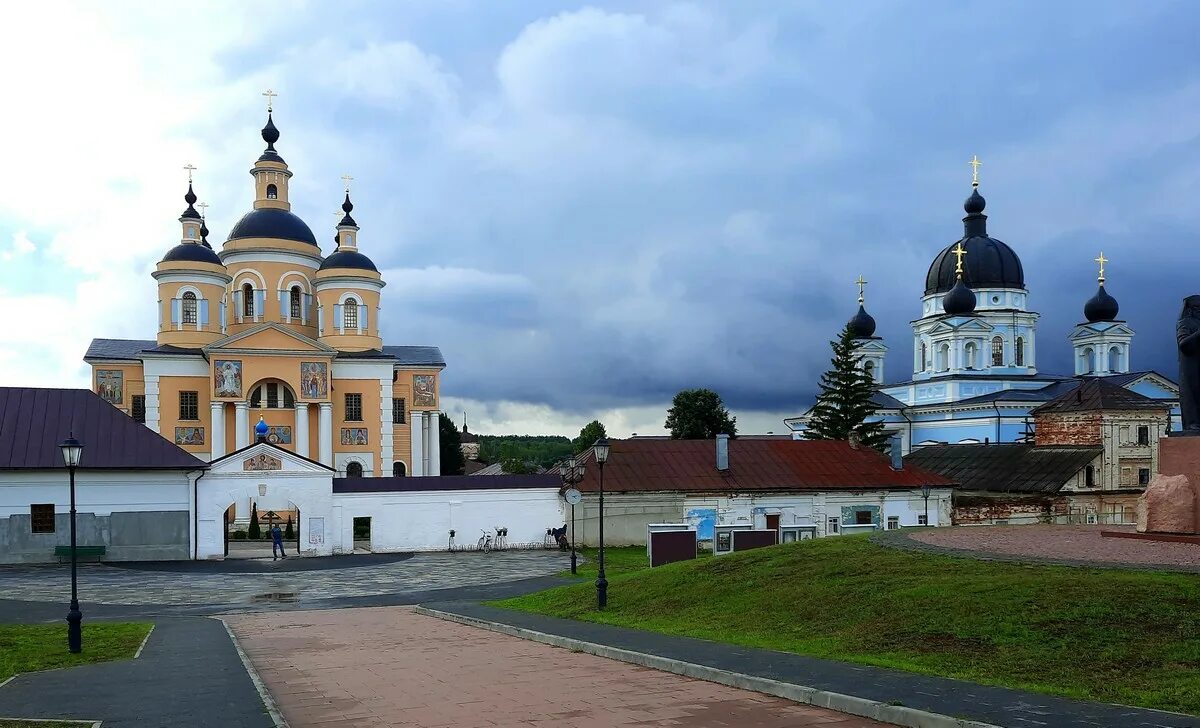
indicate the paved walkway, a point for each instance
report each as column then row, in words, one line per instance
column 211, row 583
column 958, row 698
column 189, row 674
column 391, row 667
column 1048, row 544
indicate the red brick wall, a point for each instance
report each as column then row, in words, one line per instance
column 1076, row 428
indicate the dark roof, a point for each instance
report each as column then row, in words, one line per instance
column 1097, row 393
column 885, row 401
column 348, row 259
column 133, row 349
column 1130, row 377
column 989, row 263
column 645, row 464
column 416, row 355
column 270, row 222
column 34, row 421
column 444, row 482
column 1006, row 468
column 192, row 252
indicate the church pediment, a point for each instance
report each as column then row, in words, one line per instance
column 960, row 325
column 262, row 458
column 269, row 337
column 1101, row 328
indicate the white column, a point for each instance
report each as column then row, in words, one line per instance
column 417, row 426
column 216, row 430
column 386, row 429
column 241, row 424
column 152, row 405
column 325, row 433
column 301, row 431
column 435, row 439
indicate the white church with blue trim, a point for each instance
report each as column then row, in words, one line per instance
column 974, row 374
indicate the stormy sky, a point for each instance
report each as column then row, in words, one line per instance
column 590, row 207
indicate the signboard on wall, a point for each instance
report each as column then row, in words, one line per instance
column 704, row 519
column 316, row 531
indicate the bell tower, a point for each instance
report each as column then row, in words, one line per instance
column 1102, row 342
column 270, row 172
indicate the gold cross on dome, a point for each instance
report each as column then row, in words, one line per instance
column 1101, row 260
column 959, row 252
column 862, row 283
column 347, row 179
column 270, row 98
column 190, row 168
column 975, row 165
column 203, row 208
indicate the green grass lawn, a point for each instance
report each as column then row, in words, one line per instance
column 31, row 647
column 1118, row 636
column 619, row 560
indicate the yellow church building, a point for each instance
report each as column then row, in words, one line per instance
column 271, row 330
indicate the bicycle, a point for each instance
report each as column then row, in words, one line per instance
column 485, row 542
column 501, row 541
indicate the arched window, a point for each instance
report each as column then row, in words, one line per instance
column 399, row 470
column 924, row 356
column 350, row 314
column 272, row 395
column 971, row 353
column 997, row 352
column 272, row 192
column 294, row 299
column 189, row 308
column 1114, row 359
column 869, row 368
column 943, row 363
column 354, row 470
column 248, row 300
column 1089, row 477
column 1019, row 351
column 1089, row 361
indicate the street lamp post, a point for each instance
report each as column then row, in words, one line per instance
column 601, row 448
column 925, row 495
column 72, row 449
column 571, row 471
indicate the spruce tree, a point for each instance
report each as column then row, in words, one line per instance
column 255, row 530
column 288, row 533
column 844, row 403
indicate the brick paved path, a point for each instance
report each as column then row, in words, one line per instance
column 100, row 584
column 1052, row 544
column 391, row 667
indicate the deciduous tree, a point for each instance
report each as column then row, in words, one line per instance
column 698, row 414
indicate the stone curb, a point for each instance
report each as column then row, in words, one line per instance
column 883, row 712
column 263, row 693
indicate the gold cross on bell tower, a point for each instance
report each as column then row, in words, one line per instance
column 270, row 98
column 190, row 168
column 862, row 283
column 959, row 252
column 975, row 165
column 1101, row 260
column 347, row 179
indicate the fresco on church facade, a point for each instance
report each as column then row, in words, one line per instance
column 227, row 376
column 110, row 384
column 262, row 461
column 189, row 435
column 279, row 435
column 314, row 379
column 424, row 394
column 354, row 436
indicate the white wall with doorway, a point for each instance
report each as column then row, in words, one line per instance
column 421, row 520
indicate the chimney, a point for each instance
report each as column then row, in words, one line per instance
column 723, row 452
column 854, row 439
column 897, row 460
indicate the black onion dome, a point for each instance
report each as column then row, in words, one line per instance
column 270, row 222
column 190, row 198
column 348, row 259
column 347, row 206
column 1101, row 307
column 204, row 233
column 862, row 325
column 960, row 300
column 193, row 253
column 270, row 135
column 989, row 263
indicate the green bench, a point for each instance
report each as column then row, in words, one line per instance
column 81, row 553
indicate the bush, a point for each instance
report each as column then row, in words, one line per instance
column 255, row 531
column 239, row 535
column 287, row 532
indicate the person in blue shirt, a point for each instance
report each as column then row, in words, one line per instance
column 277, row 542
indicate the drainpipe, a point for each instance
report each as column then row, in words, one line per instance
column 904, row 414
column 996, row 406
column 196, row 515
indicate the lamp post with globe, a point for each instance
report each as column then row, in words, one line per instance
column 571, row 472
column 601, row 448
column 72, row 450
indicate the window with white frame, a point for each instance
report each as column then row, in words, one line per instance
column 1019, row 351
column 997, row 351
column 922, row 520
column 893, row 522
column 295, row 298
column 924, row 356
column 189, row 308
column 350, row 314
column 248, row 301
column 834, row 525
column 970, row 351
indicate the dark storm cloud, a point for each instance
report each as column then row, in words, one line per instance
column 595, row 208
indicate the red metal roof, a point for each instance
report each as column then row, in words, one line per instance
column 34, row 421
column 754, row 465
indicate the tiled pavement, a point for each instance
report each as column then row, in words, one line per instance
column 192, row 585
column 391, row 667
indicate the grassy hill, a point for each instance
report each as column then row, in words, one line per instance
column 1118, row 636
